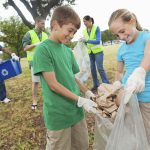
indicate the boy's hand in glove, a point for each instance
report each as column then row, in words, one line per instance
column 87, row 104
column 90, row 95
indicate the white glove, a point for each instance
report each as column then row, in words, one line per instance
column 82, row 39
column 36, row 44
column 87, row 104
column 14, row 57
column 127, row 97
column 117, row 84
column 89, row 95
column 136, row 81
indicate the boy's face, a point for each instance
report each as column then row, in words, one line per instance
column 65, row 33
column 124, row 31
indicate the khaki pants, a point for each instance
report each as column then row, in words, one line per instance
column 34, row 78
column 73, row 138
column 145, row 111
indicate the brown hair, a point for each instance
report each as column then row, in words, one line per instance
column 64, row 15
column 88, row 18
column 39, row 18
column 126, row 16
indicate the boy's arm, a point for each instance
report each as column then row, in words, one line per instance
column 57, row 87
column 83, row 88
column 87, row 104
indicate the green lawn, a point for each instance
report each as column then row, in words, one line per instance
column 23, row 129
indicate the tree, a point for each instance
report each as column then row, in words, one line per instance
column 108, row 36
column 12, row 31
column 36, row 8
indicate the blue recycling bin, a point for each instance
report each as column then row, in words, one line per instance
column 9, row 68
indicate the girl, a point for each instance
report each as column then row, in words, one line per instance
column 134, row 54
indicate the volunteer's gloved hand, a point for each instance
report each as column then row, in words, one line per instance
column 117, row 84
column 14, row 57
column 136, row 81
column 127, row 97
column 87, row 104
column 36, row 44
column 82, row 39
column 90, row 95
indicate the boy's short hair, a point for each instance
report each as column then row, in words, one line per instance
column 64, row 15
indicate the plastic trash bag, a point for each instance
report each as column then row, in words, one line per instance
column 82, row 58
column 103, row 127
column 128, row 132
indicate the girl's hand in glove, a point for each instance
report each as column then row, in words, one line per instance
column 136, row 81
column 117, row 84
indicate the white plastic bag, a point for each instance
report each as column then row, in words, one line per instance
column 103, row 127
column 129, row 131
column 82, row 58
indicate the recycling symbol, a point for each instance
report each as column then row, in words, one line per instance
column 4, row 72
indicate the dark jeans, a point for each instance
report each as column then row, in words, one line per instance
column 97, row 60
column 2, row 91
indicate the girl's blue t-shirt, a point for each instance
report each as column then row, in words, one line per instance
column 132, row 55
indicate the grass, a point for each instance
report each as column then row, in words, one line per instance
column 23, row 129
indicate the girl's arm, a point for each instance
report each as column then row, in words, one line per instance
column 146, row 60
column 120, row 71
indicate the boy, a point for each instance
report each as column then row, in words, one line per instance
column 56, row 66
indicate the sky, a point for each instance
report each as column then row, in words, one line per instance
column 99, row 10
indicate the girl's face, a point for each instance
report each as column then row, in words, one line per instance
column 124, row 31
column 63, row 34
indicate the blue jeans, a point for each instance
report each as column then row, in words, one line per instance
column 97, row 60
column 2, row 91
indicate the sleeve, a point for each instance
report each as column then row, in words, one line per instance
column 146, row 36
column 98, row 37
column 42, row 61
column 75, row 67
column 119, row 56
column 26, row 39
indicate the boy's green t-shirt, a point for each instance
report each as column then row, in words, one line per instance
column 59, row 112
